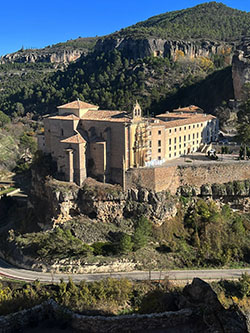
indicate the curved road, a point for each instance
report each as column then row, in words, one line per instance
column 187, row 275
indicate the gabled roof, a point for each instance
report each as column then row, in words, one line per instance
column 74, row 139
column 66, row 117
column 77, row 105
column 107, row 115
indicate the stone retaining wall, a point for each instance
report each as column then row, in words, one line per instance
column 172, row 177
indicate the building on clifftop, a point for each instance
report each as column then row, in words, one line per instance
column 103, row 144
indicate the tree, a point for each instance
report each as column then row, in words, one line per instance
column 126, row 244
column 142, row 231
column 4, row 119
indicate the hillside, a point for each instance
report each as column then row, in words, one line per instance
column 115, row 70
column 211, row 20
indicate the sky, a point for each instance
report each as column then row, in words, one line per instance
column 36, row 24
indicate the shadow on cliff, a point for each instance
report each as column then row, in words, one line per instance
column 207, row 94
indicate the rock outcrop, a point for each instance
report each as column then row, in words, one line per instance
column 241, row 69
column 55, row 202
column 46, row 55
column 145, row 47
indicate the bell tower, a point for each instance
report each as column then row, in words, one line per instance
column 137, row 112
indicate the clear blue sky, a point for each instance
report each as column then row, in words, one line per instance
column 40, row 23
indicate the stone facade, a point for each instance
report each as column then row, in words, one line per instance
column 103, row 144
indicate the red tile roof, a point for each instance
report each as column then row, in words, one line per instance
column 199, row 118
column 67, row 117
column 114, row 116
column 74, row 139
column 77, row 105
column 191, row 108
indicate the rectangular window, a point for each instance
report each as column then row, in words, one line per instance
column 179, row 138
column 180, row 128
column 184, row 145
column 180, row 146
column 185, row 128
column 175, row 129
column 169, row 155
column 174, row 154
column 159, row 150
column 169, row 148
column 193, row 126
column 174, row 140
column 159, row 158
column 184, row 137
column 201, row 125
column 189, row 127
column 198, row 125
column 150, row 144
column 150, row 133
column 170, row 131
column 188, row 136
column 174, row 147
column 159, row 132
column 159, row 143
column 169, row 141
column 197, row 142
column 193, row 135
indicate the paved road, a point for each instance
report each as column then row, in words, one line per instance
column 28, row 275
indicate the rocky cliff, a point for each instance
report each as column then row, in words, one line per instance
column 55, row 202
column 62, row 56
column 145, row 47
column 241, row 69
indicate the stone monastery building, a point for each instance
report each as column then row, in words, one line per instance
column 103, row 144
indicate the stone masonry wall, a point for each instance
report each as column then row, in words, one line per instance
column 170, row 178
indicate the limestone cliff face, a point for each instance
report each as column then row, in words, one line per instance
column 144, row 47
column 55, row 202
column 61, row 56
column 241, row 68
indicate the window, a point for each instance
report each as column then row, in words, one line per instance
column 185, row 128
column 159, row 143
column 189, row 127
column 169, row 148
column 184, row 137
column 174, row 147
column 193, row 135
column 197, row 142
column 179, row 138
column 150, row 144
column 188, row 136
column 159, row 132
column 149, row 133
column 193, row 143
column 174, row 140
column 169, row 155
column 198, row 125
column 193, row 126
column 169, row 141
column 170, row 131
column 159, row 150
column 159, row 158
column 201, row 125
column 174, row 154
column 180, row 128
column 180, row 146
column 62, row 132
column 180, row 153
column 175, row 129
column 184, row 145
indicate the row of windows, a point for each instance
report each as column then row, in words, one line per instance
column 159, row 142
column 189, row 138
column 180, row 128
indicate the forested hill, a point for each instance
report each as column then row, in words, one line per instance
column 210, row 20
column 162, row 74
